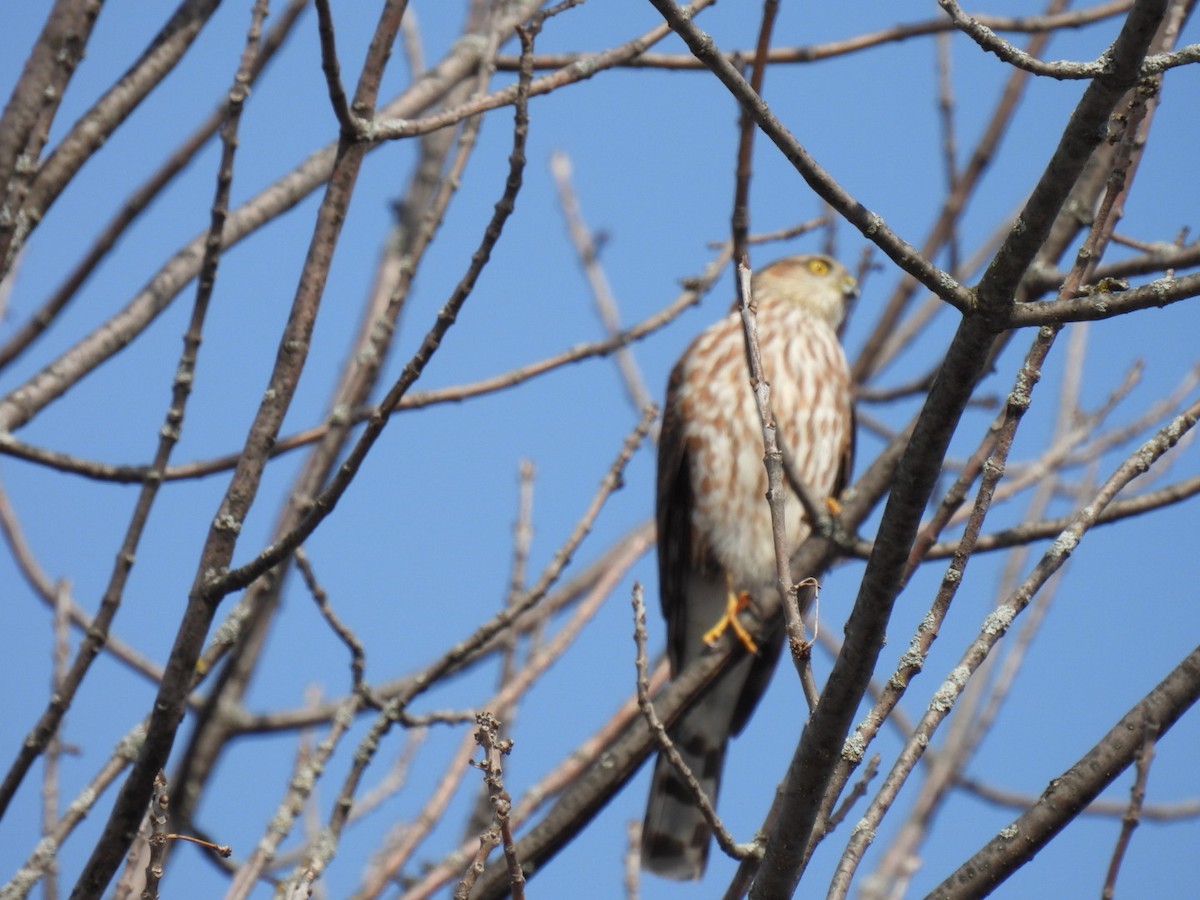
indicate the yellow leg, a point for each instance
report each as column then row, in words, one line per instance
column 835, row 508
column 735, row 602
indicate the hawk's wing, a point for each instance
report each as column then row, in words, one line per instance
column 673, row 512
column 675, row 835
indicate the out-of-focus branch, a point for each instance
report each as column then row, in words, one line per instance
column 58, row 596
column 221, row 540
column 318, row 858
column 396, row 707
column 616, row 560
column 430, row 191
column 24, row 402
column 589, row 259
column 1133, row 814
column 1156, row 812
column 389, row 126
column 555, row 781
column 393, row 858
column 693, row 292
column 300, row 788
column 140, row 199
column 1033, row 531
column 1077, row 786
column 94, row 639
column 324, row 502
column 1059, row 21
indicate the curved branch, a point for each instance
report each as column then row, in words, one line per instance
column 1091, row 307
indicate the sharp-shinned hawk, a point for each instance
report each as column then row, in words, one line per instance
column 714, row 524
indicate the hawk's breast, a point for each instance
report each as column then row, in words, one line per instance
column 810, row 397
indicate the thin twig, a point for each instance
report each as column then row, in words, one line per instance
column 1076, row 18
column 665, row 746
column 587, row 250
column 1133, row 814
column 358, row 657
column 351, row 126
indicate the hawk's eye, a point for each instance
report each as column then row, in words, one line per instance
column 818, row 267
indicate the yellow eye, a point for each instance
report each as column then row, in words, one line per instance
column 818, row 267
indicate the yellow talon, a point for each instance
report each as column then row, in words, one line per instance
column 735, row 602
column 835, row 508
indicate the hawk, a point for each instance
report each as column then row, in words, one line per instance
column 715, row 550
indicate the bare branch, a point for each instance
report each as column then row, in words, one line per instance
column 1012, row 847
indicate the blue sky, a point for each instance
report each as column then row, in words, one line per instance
column 419, row 549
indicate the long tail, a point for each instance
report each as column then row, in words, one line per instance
column 675, row 835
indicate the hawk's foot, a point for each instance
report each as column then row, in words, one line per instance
column 735, row 602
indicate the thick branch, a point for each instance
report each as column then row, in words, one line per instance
column 1066, row 795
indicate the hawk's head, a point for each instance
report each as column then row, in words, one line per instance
column 813, row 281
